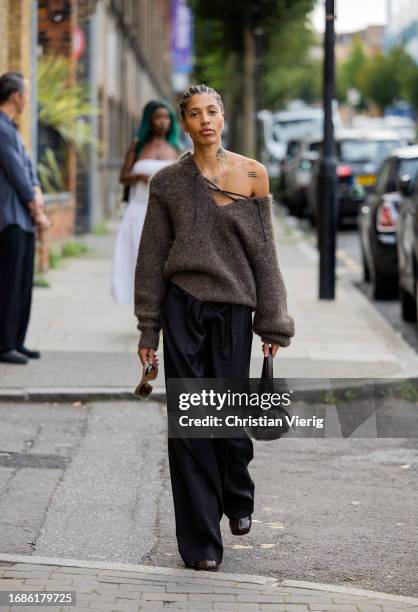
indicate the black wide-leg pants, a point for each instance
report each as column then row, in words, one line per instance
column 17, row 250
column 209, row 476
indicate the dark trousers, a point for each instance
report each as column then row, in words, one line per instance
column 17, row 249
column 209, row 476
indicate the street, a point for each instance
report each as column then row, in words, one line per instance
column 334, row 511
column 349, row 264
column 89, row 481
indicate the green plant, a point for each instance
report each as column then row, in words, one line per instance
column 407, row 391
column 41, row 281
column 74, row 248
column 55, row 257
column 64, row 107
column 327, row 396
column 101, row 229
column 50, row 174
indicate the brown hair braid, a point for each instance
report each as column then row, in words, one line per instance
column 198, row 89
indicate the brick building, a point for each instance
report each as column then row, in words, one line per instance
column 126, row 61
column 17, row 51
column 372, row 38
column 121, row 49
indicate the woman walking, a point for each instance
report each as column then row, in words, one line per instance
column 206, row 261
column 157, row 144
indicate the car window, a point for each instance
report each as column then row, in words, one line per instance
column 409, row 167
column 357, row 150
column 295, row 128
column 315, row 146
column 392, row 179
column 383, row 178
column 293, row 149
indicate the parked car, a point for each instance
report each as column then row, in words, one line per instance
column 407, row 245
column 276, row 129
column 292, row 150
column 272, row 149
column 297, row 173
column 404, row 126
column 377, row 221
column 359, row 154
column 299, row 120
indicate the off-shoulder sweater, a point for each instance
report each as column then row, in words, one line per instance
column 216, row 253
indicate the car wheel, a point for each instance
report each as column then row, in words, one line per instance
column 366, row 271
column 312, row 217
column 383, row 287
column 416, row 301
column 408, row 305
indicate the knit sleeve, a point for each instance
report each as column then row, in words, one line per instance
column 271, row 320
column 156, row 240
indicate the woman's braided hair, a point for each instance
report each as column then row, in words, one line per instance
column 198, row 89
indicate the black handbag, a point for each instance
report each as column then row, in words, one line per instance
column 266, row 385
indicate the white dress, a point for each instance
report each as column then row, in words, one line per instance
column 129, row 232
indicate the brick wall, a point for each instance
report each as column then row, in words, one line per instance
column 4, row 49
column 56, row 23
column 15, row 49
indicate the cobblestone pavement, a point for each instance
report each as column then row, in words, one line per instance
column 129, row 588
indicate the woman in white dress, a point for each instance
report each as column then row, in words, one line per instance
column 157, row 144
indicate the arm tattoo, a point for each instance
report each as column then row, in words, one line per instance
column 252, row 174
column 214, row 179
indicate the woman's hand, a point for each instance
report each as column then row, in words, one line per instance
column 144, row 178
column 147, row 354
column 274, row 349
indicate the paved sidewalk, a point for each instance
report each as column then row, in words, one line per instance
column 89, row 342
column 113, row 587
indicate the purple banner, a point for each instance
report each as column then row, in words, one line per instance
column 181, row 36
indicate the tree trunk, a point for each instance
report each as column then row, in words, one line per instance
column 248, row 131
column 232, row 100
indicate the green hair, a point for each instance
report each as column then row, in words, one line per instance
column 145, row 132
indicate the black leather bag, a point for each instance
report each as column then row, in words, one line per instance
column 269, row 432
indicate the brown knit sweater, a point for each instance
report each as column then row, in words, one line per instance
column 216, row 253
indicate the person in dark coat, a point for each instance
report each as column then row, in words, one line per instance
column 21, row 213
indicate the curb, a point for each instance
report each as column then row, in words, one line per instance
column 312, row 392
column 335, row 588
column 131, row 567
column 242, row 578
column 78, row 394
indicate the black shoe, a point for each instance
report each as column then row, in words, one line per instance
column 209, row 565
column 28, row 353
column 240, row 526
column 13, row 357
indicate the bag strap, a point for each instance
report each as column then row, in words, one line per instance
column 267, row 371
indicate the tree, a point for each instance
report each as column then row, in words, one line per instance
column 387, row 78
column 226, row 51
column 350, row 73
column 290, row 69
column 379, row 82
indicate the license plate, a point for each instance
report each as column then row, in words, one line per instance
column 366, row 180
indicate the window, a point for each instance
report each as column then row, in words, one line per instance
column 363, row 151
column 383, row 178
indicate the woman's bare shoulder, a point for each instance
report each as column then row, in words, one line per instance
column 246, row 163
column 251, row 172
